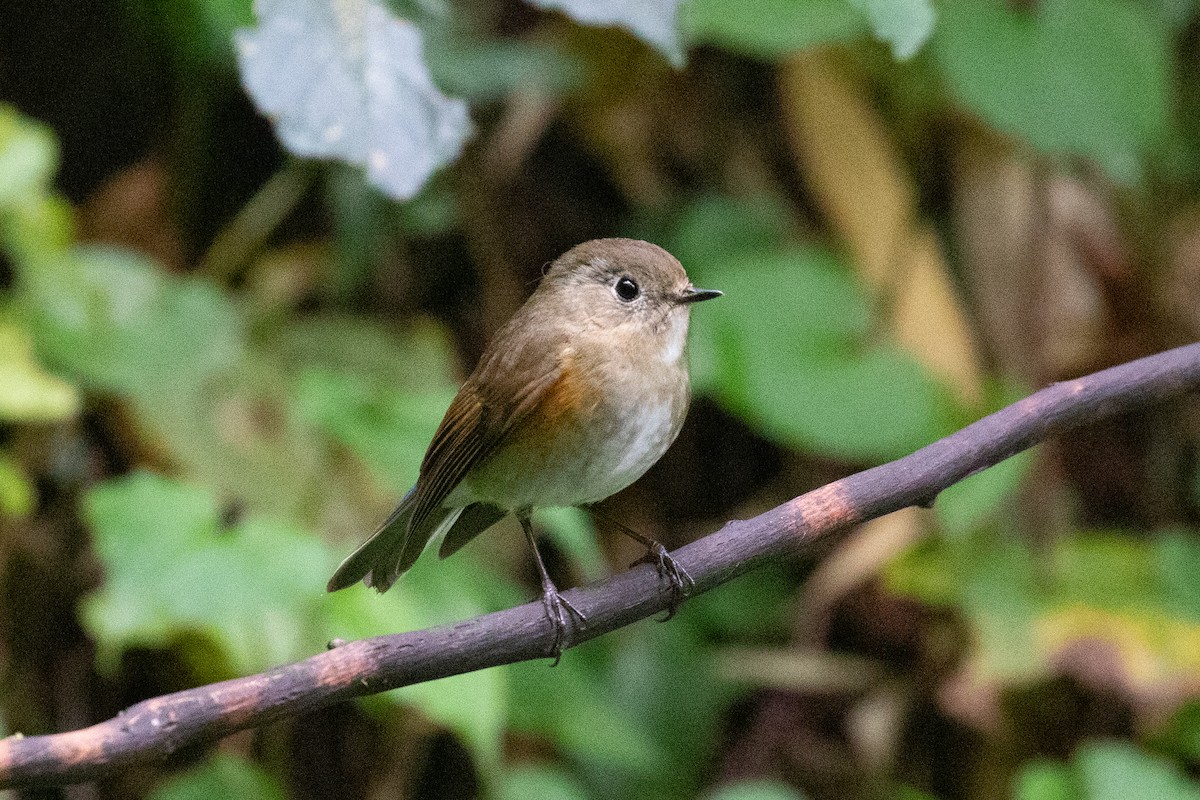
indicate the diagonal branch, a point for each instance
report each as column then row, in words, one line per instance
column 157, row 727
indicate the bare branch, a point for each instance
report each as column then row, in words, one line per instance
column 157, row 727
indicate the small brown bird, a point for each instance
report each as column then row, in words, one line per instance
column 573, row 400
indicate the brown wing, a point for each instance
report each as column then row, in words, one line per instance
column 501, row 392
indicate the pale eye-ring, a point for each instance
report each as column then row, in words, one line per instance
column 627, row 288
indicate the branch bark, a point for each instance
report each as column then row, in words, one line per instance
column 158, row 727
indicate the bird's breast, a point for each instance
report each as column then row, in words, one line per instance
column 597, row 428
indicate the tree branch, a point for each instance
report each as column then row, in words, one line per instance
column 157, row 727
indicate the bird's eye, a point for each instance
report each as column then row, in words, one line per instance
column 627, row 288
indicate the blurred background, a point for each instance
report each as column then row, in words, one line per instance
column 230, row 319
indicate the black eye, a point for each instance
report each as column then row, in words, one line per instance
column 627, row 288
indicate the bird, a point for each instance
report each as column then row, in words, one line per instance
column 574, row 398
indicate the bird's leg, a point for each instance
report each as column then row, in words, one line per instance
column 555, row 604
column 666, row 566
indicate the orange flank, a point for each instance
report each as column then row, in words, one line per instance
column 569, row 397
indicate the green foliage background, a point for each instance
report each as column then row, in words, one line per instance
column 220, row 364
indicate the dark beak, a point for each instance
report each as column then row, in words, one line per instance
column 693, row 295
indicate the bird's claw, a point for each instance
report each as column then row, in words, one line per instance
column 557, row 608
column 670, row 569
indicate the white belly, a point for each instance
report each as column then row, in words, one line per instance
column 597, row 457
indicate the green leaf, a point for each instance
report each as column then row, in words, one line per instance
column 254, row 589
column 419, row 357
column 1105, row 770
column 1028, row 608
column 909, row 793
column 118, row 322
column 652, row 21
column 576, row 708
column 770, row 29
column 379, row 394
column 572, row 531
column 1181, row 735
column 28, row 158
column 979, row 499
column 348, row 81
column 1131, row 580
column 487, row 70
column 476, row 705
column 525, row 782
column 34, row 224
column 221, row 776
column 1075, row 77
column 974, row 501
column 788, row 350
column 1045, row 780
column 389, row 431
column 1177, row 559
column 715, row 228
column 176, row 350
column 17, row 495
column 1120, row 771
column 27, row 392
column 755, row 790
column 904, row 24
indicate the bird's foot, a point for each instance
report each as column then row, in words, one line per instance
column 671, row 570
column 558, row 611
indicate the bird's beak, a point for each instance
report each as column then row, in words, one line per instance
column 693, row 295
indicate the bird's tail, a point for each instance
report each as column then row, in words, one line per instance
column 388, row 554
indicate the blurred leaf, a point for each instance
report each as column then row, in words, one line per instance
column 572, row 531
column 1105, row 770
column 1131, row 580
column 714, row 228
column 652, row 21
column 1109, row 601
column 972, row 502
column 682, row 717
column 771, row 28
column 755, row 790
column 255, row 589
column 862, row 185
column 200, row 32
column 378, row 394
column 1120, row 771
column 34, row 225
column 348, row 81
column 118, row 322
column 747, row 611
column 27, row 392
column 1045, row 780
column 389, row 431
column 532, row 782
column 978, row 499
column 909, row 793
column 418, row 357
column 1181, row 734
column 576, row 706
column 28, row 158
column 175, row 349
column 17, row 496
column 476, row 705
column 433, row 211
column 790, row 345
column 222, row 775
column 903, row 24
column 1079, row 77
column 1177, row 560
column 484, row 70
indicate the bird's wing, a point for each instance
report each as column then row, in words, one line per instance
column 498, row 396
